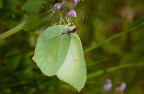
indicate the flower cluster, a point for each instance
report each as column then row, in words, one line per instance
column 119, row 89
column 70, row 13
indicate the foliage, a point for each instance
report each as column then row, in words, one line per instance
column 111, row 33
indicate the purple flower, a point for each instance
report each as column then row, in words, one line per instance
column 56, row 7
column 75, row 2
column 120, row 87
column 108, row 85
column 71, row 13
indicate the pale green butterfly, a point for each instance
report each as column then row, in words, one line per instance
column 59, row 52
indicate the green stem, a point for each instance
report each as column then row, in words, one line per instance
column 100, row 72
column 12, row 31
column 111, row 38
column 14, row 85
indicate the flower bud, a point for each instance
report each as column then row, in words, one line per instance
column 75, row 2
column 122, row 86
column 71, row 13
column 108, row 85
column 56, row 7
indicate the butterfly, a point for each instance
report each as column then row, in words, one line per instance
column 59, row 52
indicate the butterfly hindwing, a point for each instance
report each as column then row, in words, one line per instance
column 73, row 70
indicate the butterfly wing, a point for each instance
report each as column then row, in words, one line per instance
column 51, row 50
column 73, row 70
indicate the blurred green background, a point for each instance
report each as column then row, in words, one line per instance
column 112, row 34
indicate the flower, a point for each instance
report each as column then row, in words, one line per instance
column 108, row 85
column 75, row 2
column 120, row 88
column 71, row 13
column 56, row 7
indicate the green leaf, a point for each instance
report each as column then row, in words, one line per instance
column 26, row 64
column 33, row 5
column 13, row 59
column 1, row 4
column 33, row 22
column 60, row 53
column 73, row 70
column 24, row 70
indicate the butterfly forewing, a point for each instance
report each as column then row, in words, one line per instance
column 50, row 51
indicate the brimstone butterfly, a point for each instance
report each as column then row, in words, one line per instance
column 59, row 52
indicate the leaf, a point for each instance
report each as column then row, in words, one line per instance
column 1, row 4
column 13, row 59
column 73, row 70
column 24, row 70
column 33, row 5
column 26, row 64
column 60, row 53
column 33, row 22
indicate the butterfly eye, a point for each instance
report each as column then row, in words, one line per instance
column 72, row 31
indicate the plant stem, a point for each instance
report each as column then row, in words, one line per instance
column 112, row 69
column 13, row 85
column 111, row 38
column 12, row 31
